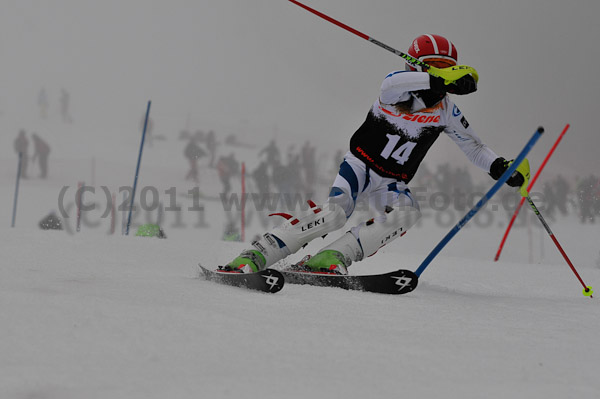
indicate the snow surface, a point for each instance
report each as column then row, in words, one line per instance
column 93, row 315
column 119, row 317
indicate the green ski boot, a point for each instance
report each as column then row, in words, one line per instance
column 327, row 261
column 248, row 262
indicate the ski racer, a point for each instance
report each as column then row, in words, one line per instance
column 412, row 110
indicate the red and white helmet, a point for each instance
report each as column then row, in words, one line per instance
column 434, row 50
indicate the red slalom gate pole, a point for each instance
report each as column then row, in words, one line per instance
column 514, row 216
column 411, row 60
column 587, row 290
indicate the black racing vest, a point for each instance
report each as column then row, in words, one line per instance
column 393, row 145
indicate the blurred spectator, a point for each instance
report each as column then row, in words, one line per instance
column 444, row 178
column 43, row 103
column 211, row 144
column 192, row 153
column 309, row 164
column 41, row 152
column 21, row 146
column 292, row 172
column 64, row 106
column 261, row 178
column 227, row 167
column 587, row 193
column 549, row 200
column 338, row 158
column 561, row 192
column 272, row 154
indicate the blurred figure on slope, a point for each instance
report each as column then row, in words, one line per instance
column 272, row 154
column 192, row 153
column 211, row 145
column 65, row 99
column 43, row 103
column 309, row 165
column 41, row 152
column 261, row 178
column 589, row 198
column 21, row 145
column 227, row 167
column 562, row 190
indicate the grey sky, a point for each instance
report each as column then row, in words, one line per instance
column 267, row 68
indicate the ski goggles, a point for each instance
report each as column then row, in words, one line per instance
column 438, row 61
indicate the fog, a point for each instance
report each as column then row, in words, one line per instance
column 267, row 69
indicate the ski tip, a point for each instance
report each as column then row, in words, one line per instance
column 540, row 130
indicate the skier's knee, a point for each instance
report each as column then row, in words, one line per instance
column 343, row 198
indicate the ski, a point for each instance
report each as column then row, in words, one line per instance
column 395, row 283
column 268, row 280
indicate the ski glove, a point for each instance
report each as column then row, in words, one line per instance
column 520, row 177
column 459, row 79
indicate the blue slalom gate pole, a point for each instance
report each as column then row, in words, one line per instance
column 137, row 168
column 14, row 215
column 507, row 174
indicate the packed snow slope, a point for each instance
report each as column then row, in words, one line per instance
column 97, row 316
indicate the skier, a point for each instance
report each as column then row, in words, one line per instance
column 412, row 110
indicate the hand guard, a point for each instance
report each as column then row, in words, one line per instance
column 523, row 169
column 458, row 79
column 520, row 178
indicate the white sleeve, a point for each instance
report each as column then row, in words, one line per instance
column 458, row 129
column 396, row 86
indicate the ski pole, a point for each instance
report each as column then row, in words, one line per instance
column 137, row 168
column 514, row 216
column 411, row 60
column 587, row 290
column 505, row 176
column 14, row 215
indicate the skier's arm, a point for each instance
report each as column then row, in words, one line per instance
column 402, row 86
column 462, row 134
column 397, row 86
column 481, row 155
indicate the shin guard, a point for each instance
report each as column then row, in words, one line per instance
column 378, row 232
